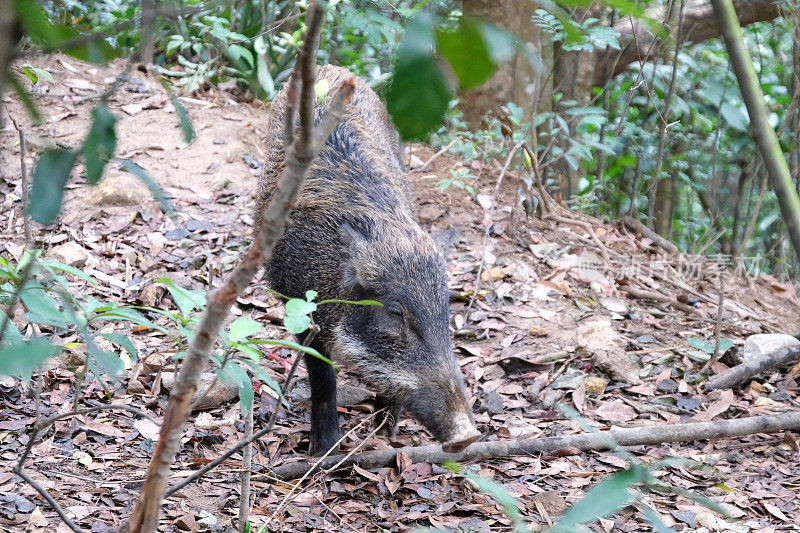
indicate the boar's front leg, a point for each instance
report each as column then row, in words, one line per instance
column 324, row 418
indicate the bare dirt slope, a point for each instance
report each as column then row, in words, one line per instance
column 550, row 288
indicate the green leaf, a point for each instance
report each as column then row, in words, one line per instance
column 49, row 178
column 296, row 346
column 651, row 516
column 52, row 264
column 233, row 373
column 39, row 73
column 419, row 95
column 499, row 42
column 131, row 315
column 187, row 300
column 236, row 52
column 298, row 315
column 60, row 37
column 604, row 499
column 183, row 115
column 155, row 190
column 42, row 308
column 263, row 75
column 467, row 52
column 122, row 341
column 264, row 378
column 242, row 328
column 12, row 334
column 100, row 143
column 25, row 98
column 708, row 346
column 109, row 362
column 22, row 358
column 30, row 73
column 736, row 117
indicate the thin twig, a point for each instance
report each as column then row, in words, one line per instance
column 262, row 432
column 247, row 464
column 718, row 324
column 432, row 158
column 23, row 148
column 511, row 155
column 322, row 458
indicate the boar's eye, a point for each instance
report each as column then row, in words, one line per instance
column 395, row 309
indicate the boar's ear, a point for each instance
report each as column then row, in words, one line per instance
column 352, row 240
column 444, row 239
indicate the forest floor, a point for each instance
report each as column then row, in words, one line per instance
column 525, row 344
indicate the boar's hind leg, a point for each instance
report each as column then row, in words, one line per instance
column 391, row 416
column 324, row 419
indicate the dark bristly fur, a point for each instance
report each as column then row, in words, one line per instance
column 353, row 235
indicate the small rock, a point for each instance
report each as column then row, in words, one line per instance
column 492, row 274
column 135, row 387
column 569, row 381
column 70, row 253
column 430, row 212
column 187, row 523
column 595, row 385
column 219, row 395
column 767, row 345
column 347, row 394
column 667, row 386
column 492, row 403
column 601, row 340
column 615, row 305
column 537, row 331
column 151, row 295
column 123, row 190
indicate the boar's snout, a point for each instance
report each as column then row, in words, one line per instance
column 463, row 435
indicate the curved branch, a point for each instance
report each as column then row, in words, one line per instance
column 700, row 24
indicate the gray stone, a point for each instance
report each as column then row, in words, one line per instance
column 122, row 191
column 70, row 253
column 569, row 381
column 767, row 345
column 492, row 403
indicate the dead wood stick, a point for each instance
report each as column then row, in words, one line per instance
column 658, row 297
column 741, row 373
column 636, row 225
column 638, row 436
column 586, row 226
column 437, row 154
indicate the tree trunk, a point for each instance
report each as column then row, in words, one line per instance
column 565, row 73
column 663, row 210
column 7, row 44
column 516, row 80
column 760, row 129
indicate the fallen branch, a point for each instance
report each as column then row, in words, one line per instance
column 741, row 373
column 299, row 157
column 638, row 436
column 637, row 226
column 645, row 294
